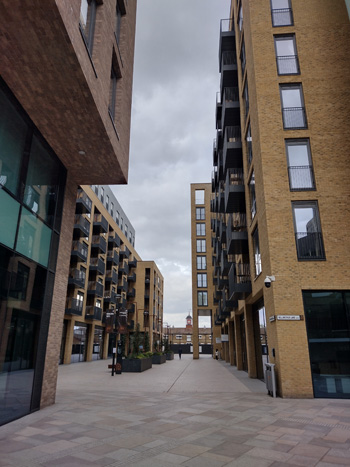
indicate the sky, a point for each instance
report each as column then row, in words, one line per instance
column 176, row 78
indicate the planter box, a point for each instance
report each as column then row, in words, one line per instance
column 170, row 356
column 136, row 365
column 158, row 359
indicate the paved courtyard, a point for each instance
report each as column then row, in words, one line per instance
column 185, row 412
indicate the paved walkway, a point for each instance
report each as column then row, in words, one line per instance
column 185, row 412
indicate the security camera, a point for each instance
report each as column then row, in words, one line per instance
column 268, row 280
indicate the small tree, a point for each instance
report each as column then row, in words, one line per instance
column 166, row 345
column 146, row 344
column 137, row 340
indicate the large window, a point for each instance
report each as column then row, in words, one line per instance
column 199, row 196
column 243, row 58
column 200, row 229
column 300, row 169
column 286, row 55
column 327, row 316
column 281, row 13
column 113, row 93
column 201, row 246
column 252, row 195
column 87, row 22
column 200, row 214
column 201, row 262
column 308, row 235
column 202, row 298
column 293, row 110
column 257, row 254
column 202, row 280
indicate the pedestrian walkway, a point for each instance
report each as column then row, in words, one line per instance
column 185, row 412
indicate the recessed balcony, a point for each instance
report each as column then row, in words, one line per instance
column 218, row 111
column 83, row 203
column 234, row 191
column 131, row 293
column 99, row 242
column 124, row 253
column 113, row 241
column 228, row 305
column 95, row 288
column 132, row 263
column 111, row 276
column 122, row 286
column 132, row 277
column 79, row 251
column 232, row 151
column 112, row 257
column 237, row 236
column 74, row 307
column 124, row 268
column 110, row 297
column 227, row 38
column 98, row 265
column 131, row 308
column 81, row 226
column 228, row 68
column 94, row 313
column 230, row 107
column 100, row 224
column 239, row 281
column 77, row 278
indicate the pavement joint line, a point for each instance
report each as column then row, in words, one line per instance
column 179, row 376
column 312, row 422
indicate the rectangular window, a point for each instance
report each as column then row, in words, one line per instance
column 201, row 262
column 117, row 217
column 252, row 195
column 121, row 224
column 201, row 246
column 202, row 280
column 257, row 255
column 87, row 22
column 8, row 219
column 246, row 98
column 107, row 202
column 307, row 227
column 188, row 338
column 112, row 93
column 202, row 298
column 286, row 55
column 200, row 229
column 126, row 231
column 300, row 171
column 199, row 196
column 112, row 209
column 249, row 145
column 118, row 23
column 281, row 13
column 102, row 194
column 293, row 110
column 178, row 336
column 96, row 189
column 243, row 59
column 240, row 19
column 200, row 214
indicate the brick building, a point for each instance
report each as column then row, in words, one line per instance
column 183, row 337
column 281, row 191
column 65, row 104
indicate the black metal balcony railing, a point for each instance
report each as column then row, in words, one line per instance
column 294, row 118
column 282, row 17
column 301, row 178
column 131, row 293
column 82, row 224
column 113, row 256
column 131, row 308
column 132, row 263
column 288, row 65
column 99, row 242
column 98, row 265
column 111, row 275
column 100, row 221
column 84, row 203
column 74, row 307
column 235, row 176
column 80, row 250
column 233, row 134
column 124, row 253
column 226, row 25
column 110, row 296
column 93, row 312
column 310, row 245
column 228, row 58
column 95, row 288
column 238, row 221
column 114, row 239
column 132, row 277
column 231, row 94
column 77, row 278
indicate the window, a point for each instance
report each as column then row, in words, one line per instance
column 118, row 23
column 307, row 229
column 112, row 93
column 199, row 196
column 121, row 224
column 202, row 298
column 102, row 194
column 87, row 22
column 243, row 59
column 96, row 189
column 286, row 55
column 188, row 338
column 281, row 13
column 117, row 217
column 252, row 196
column 249, row 145
column 98, row 303
column 300, row 171
column 200, row 214
column 107, row 202
column 200, row 229
column 201, row 280
column 178, row 336
column 240, row 19
column 246, row 98
column 201, row 246
column 201, row 262
column 257, row 255
column 126, row 230
column 294, row 116
column 112, row 209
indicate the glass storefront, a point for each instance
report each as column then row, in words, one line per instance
column 97, row 351
column 79, row 342
column 27, row 255
column 327, row 315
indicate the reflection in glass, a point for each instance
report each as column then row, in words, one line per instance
column 79, row 343
column 8, row 219
column 300, row 165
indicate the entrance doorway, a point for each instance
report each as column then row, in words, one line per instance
column 79, row 343
column 260, row 338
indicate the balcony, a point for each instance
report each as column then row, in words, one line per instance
column 79, row 251
column 310, row 245
column 228, row 68
column 123, row 286
column 215, row 152
column 124, row 253
column 100, row 224
column 294, row 118
column 98, row 265
column 222, row 232
column 114, row 241
column 99, row 242
column 133, row 263
column 93, row 313
column 230, row 107
column 288, row 65
column 222, row 313
column 131, row 325
column 110, row 297
column 228, row 305
column 282, row 17
column 232, row 151
column 239, row 281
column 224, row 263
column 132, row 277
column 95, row 288
column 77, row 278
column 234, row 191
column 237, row 235
column 227, row 38
column 111, row 276
column 131, row 293
column 218, row 111
column 131, row 308
column 83, row 203
column 112, row 257
column 81, row 226
column 74, row 307
column 124, row 268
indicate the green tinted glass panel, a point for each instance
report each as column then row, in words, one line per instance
column 42, row 182
column 13, row 131
column 34, row 238
column 9, row 209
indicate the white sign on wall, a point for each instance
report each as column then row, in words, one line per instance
column 288, row 317
column 218, row 340
column 224, row 337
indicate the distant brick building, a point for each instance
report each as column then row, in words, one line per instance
column 184, row 337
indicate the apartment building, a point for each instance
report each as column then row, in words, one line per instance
column 107, row 278
column 63, row 122
column 203, row 287
column 281, row 191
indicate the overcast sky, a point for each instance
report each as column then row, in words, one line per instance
column 176, row 78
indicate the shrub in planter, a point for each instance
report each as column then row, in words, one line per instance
column 138, row 364
column 158, row 358
column 170, row 355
